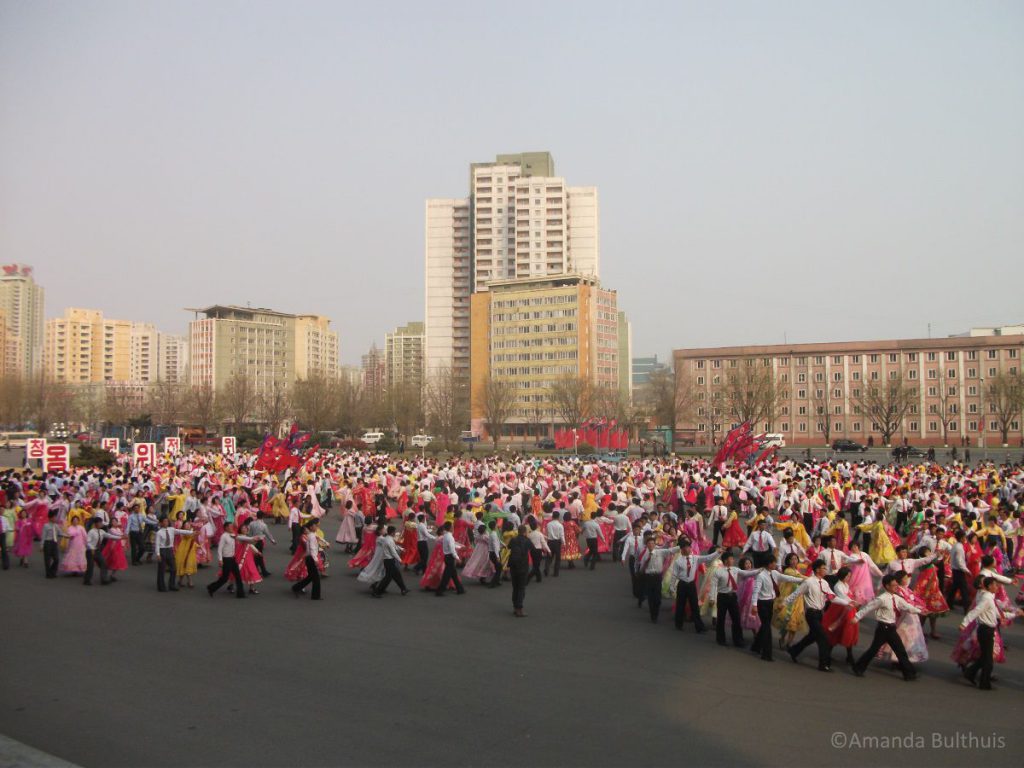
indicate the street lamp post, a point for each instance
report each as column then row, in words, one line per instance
column 983, row 444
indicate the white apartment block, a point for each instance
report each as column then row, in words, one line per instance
column 448, row 285
column 145, row 349
column 316, row 347
column 403, row 353
column 172, row 358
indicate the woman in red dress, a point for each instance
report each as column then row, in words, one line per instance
column 571, row 549
column 840, row 628
column 410, row 554
column 362, row 558
column 927, row 588
column 732, row 532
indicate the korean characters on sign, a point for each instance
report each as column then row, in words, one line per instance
column 112, row 444
column 58, row 457
column 144, row 454
column 172, row 445
column 227, row 445
column 35, row 449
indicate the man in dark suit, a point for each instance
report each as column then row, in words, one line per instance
column 519, row 569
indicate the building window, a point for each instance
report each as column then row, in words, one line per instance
column 837, row 359
column 951, row 373
column 785, row 426
column 801, row 378
column 893, row 357
column 819, row 359
column 802, row 426
column 872, row 358
column 951, row 357
column 700, row 364
column 855, row 359
column 837, row 393
column 912, row 373
column 700, row 380
column 801, row 394
column 837, row 376
column 856, row 426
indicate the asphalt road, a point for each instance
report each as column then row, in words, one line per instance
column 126, row 676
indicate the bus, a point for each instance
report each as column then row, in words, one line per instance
column 15, row 439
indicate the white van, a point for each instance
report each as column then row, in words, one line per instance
column 421, row 441
column 773, row 440
column 372, row 438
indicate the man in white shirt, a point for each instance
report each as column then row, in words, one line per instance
column 295, row 524
column 592, row 532
column 556, row 539
column 987, row 614
column 886, row 608
column 761, row 544
column 312, row 560
column 650, row 565
column 423, row 539
column 816, row 593
column 94, row 552
column 727, row 600
column 390, row 557
column 621, row 523
column 451, row 558
column 164, row 546
column 684, row 572
column 958, row 576
column 766, row 589
column 719, row 514
column 228, row 564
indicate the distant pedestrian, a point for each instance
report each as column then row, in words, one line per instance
column 519, row 569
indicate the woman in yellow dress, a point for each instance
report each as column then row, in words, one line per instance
column 799, row 532
column 184, row 553
column 882, row 551
column 789, row 619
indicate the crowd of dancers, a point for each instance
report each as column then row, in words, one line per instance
column 807, row 550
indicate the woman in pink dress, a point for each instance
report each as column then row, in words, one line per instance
column 24, row 535
column 73, row 561
column 479, row 566
column 861, row 584
column 748, row 610
column 347, row 529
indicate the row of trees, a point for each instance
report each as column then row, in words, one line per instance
column 752, row 394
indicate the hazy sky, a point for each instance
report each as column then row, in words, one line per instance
column 823, row 170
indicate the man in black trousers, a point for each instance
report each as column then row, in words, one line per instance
column 451, row 559
column 519, row 568
column 390, row 560
column 51, row 544
column 312, row 560
column 816, row 593
column 228, row 564
column 885, row 608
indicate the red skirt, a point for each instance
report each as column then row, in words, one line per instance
column 839, row 626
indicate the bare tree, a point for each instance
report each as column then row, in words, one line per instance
column 122, row 404
column 572, row 399
column 201, row 408
column 1005, row 399
column 670, row 398
column 351, row 415
column 946, row 402
column 13, row 400
column 497, row 403
column 316, row 402
column 166, row 400
column 447, row 398
column 886, row 403
column 751, row 395
column 274, row 406
column 90, row 398
column 403, row 404
column 238, row 398
column 821, row 402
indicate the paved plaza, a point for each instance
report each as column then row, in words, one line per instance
column 126, row 676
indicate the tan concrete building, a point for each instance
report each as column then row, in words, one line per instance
column 316, row 347
column 403, row 352
column 534, row 331
column 85, row 347
column 822, row 387
column 21, row 300
column 172, row 358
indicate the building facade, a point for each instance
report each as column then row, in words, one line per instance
column 172, row 358
column 520, row 221
column 533, row 332
column 316, row 347
column 403, row 351
column 21, row 300
column 643, row 367
column 84, row 347
column 374, row 367
column 229, row 340
column 625, row 357
column 821, row 389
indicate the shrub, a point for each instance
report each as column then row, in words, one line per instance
column 584, row 448
column 92, row 456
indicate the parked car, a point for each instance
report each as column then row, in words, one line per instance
column 909, row 452
column 372, row 438
column 773, row 440
column 421, row 441
column 847, row 446
column 546, row 444
column 83, row 437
